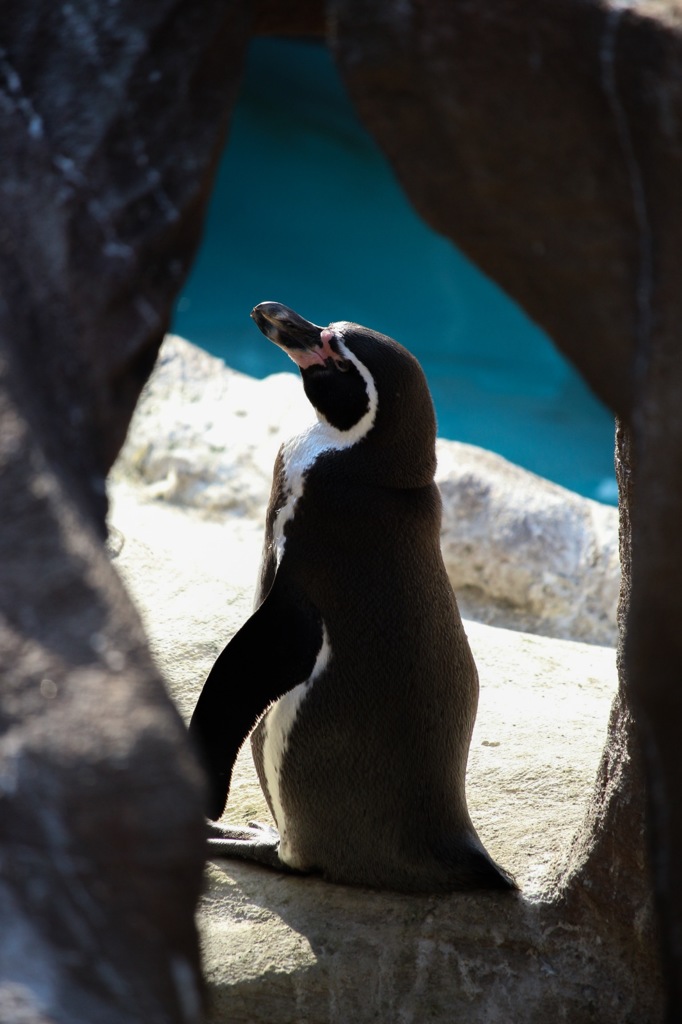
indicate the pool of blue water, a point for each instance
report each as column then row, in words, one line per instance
column 306, row 211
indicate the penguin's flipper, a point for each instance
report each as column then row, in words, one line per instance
column 274, row 651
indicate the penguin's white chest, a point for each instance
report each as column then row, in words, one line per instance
column 279, row 722
column 301, row 452
column 298, row 456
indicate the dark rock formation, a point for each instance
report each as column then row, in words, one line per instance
column 111, row 119
column 100, row 836
column 544, row 139
column 510, row 132
column 296, row 18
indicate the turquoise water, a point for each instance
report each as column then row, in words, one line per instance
column 307, row 212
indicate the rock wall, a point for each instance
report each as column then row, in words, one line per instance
column 111, row 119
column 519, row 132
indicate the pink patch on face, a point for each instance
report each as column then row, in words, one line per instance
column 309, row 357
column 305, row 357
column 325, row 337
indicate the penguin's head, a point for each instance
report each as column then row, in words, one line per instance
column 366, row 388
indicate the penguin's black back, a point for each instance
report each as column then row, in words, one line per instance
column 379, row 747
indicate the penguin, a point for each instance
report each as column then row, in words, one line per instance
column 354, row 668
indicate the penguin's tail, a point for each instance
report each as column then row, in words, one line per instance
column 488, row 874
column 470, row 866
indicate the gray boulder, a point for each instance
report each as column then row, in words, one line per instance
column 525, row 553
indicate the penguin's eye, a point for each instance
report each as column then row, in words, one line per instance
column 342, row 365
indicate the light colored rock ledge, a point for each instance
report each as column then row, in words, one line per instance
column 280, row 949
column 521, row 552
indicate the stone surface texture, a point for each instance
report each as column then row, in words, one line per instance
column 525, row 553
column 100, row 829
column 98, row 237
column 112, row 116
column 554, row 206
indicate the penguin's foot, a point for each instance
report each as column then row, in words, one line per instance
column 255, row 842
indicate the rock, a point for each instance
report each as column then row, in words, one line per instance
column 519, row 550
column 181, row 567
column 446, row 91
column 111, row 119
column 100, row 825
column 207, row 436
column 525, row 553
column 272, row 942
column 97, row 240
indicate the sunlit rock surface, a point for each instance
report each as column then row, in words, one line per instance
column 525, row 553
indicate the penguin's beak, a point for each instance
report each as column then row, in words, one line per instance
column 301, row 340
